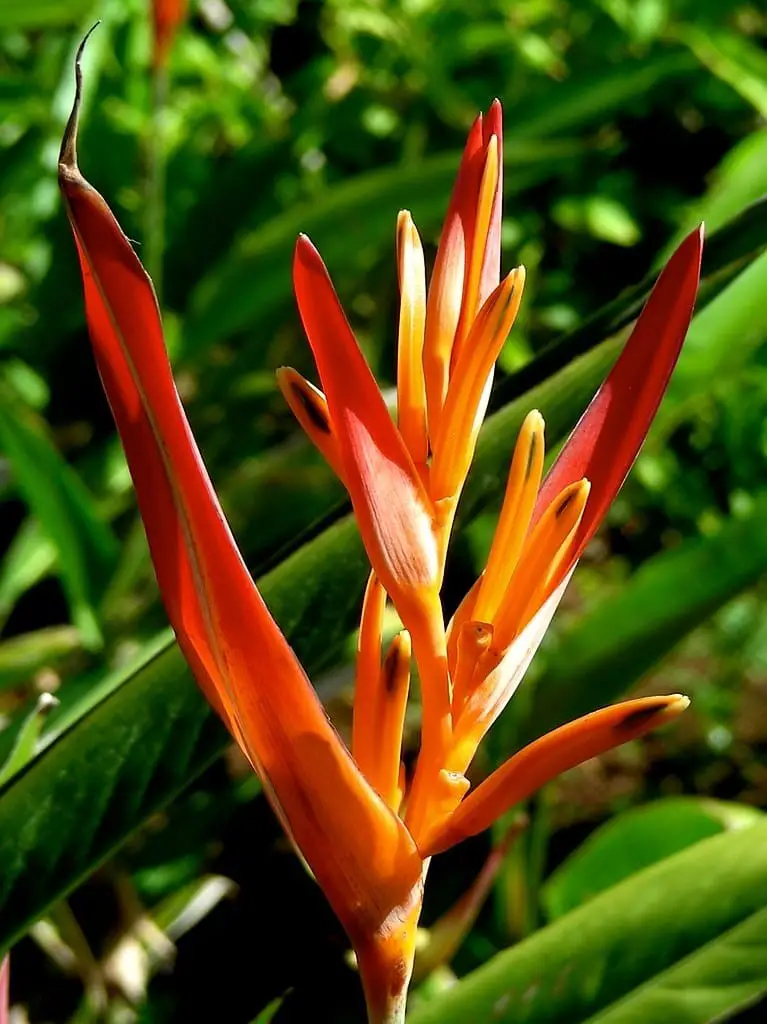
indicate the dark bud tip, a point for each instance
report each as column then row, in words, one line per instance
column 68, row 151
column 314, row 413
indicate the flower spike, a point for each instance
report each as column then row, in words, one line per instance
column 365, row 829
column 359, row 851
column 367, row 675
column 516, row 512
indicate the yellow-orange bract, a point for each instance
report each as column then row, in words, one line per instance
column 366, row 831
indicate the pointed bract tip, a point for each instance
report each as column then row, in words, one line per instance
column 649, row 712
column 535, row 420
column 68, row 151
column 86, row 37
column 401, row 645
column 694, row 242
column 494, row 122
column 677, row 703
column 285, row 374
column 307, row 253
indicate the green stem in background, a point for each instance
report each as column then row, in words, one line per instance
column 154, row 224
column 519, row 881
column 540, row 831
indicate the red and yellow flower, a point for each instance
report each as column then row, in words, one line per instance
column 364, row 828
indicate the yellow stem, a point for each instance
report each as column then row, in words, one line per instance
column 385, row 961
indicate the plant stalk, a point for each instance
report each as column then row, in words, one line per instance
column 385, row 962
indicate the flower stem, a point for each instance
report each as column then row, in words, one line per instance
column 385, row 961
column 393, row 1012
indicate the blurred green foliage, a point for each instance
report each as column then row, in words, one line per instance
column 626, row 123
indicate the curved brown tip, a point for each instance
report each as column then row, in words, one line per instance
column 68, row 151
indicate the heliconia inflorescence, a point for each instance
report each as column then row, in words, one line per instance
column 366, row 830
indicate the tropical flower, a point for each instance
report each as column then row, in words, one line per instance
column 404, row 483
column 366, row 832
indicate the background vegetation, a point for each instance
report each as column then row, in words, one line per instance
column 142, row 877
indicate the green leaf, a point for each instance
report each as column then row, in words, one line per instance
column 21, row 656
column 740, row 179
column 636, row 839
column 594, row 98
column 35, row 14
column 269, row 1011
column 30, row 557
column 130, row 752
column 86, row 547
column 696, row 918
column 179, row 913
column 725, row 254
column 710, row 985
column 27, row 738
column 732, row 57
column 600, row 216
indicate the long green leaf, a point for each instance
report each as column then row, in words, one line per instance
column 710, row 985
column 720, row 343
column 629, row 940
column 35, row 14
column 739, row 180
column 636, row 839
column 597, row 96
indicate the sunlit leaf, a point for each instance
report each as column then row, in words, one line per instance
column 633, row 945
